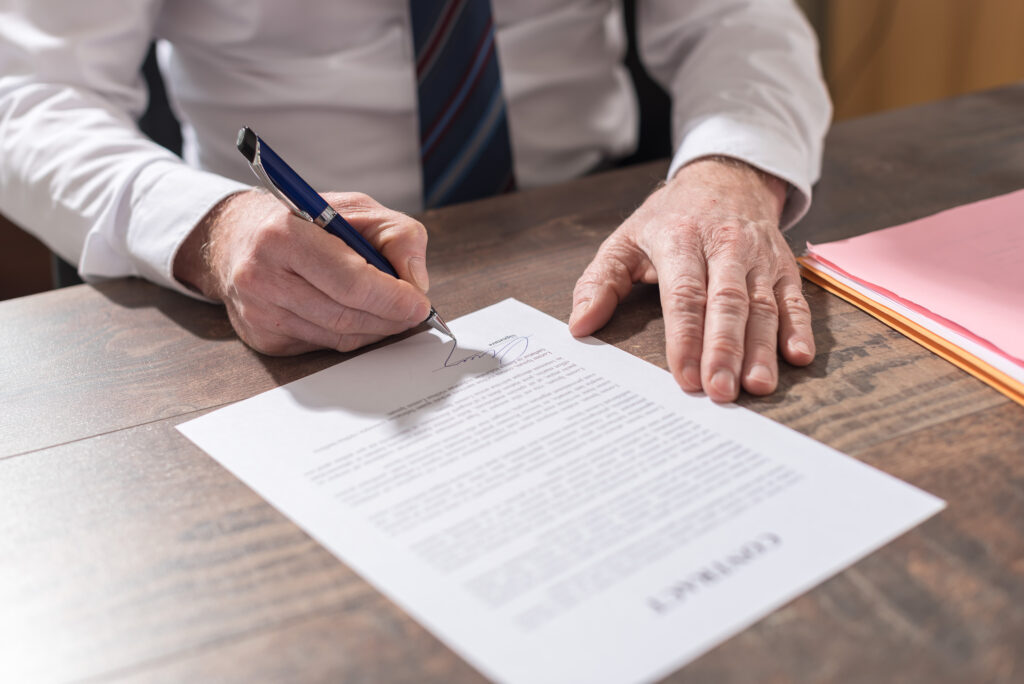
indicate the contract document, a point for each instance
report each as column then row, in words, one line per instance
column 554, row 509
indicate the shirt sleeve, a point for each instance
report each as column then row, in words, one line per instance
column 745, row 82
column 74, row 168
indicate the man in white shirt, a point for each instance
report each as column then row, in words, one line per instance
column 333, row 86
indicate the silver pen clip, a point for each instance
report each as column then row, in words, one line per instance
column 257, row 167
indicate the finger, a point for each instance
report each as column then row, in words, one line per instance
column 725, row 325
column 404, row 245
column 682, row 283
column 276, row 331
column 273, row 342
column 604, row 283
column 322, row 311
column 333, row 268
column 760, row 360
column 288, row 290
column 796, row 338
column 400, row 238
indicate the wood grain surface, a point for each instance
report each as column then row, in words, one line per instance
column 126, row 554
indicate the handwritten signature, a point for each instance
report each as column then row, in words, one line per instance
column 512, row 347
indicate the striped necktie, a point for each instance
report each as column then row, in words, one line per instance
column 464, row 141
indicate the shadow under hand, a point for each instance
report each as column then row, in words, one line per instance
column 402, row 381
column 633, row 318
column 197, row 323
column 790, row 377
column 203, row 320
column 637, row 326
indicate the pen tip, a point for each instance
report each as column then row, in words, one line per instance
column 435, row 321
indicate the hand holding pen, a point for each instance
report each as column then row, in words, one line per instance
column 289, row 286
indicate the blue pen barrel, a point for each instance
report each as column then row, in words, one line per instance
column 309, row 200
column 291, row 183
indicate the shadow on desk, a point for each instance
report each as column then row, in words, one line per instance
column 639, row 328
column 202, row 320
column 636, row 327
column 200, row 323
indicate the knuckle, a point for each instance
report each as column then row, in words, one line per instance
column 679, row 251
column 796, row 304
column 688, row 292
column 347, row 342
column 360, row 198
column 614, row 250
column 257, row 319
column 266, row 343
column 275, row 347
column 347, row 320
column 589, row 280
column 353, row 202
column 727, row 238
column 689, row 339
column 244, row 276
column 608, row 273
column 731, row 292
column 257, row 329
column 763, row 304
column 416, row 230
column 355, row 198
column 274, row 226
column 761, row 347
column 725, row 346
column 358, row 293
column 268, row 241
column 409, row 232
column 731, row 299
column 241, row 271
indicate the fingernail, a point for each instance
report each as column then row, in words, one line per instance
column 724, row 383
column 578, row 310
column 420, row 311
column 761, row 374
column 691, row 374
column 801, row 347
column 418, row 270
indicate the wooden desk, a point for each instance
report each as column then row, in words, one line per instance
column 126, row 554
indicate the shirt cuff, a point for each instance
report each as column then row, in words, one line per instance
column 168, row 200
column 761, row 146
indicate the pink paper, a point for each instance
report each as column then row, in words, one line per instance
column 964, row 267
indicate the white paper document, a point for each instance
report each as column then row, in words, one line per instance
column 555, row 510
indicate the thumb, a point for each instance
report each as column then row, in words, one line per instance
column 604, row 283
column 401, row 239
column 404, row 244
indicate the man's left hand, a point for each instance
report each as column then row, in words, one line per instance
column 730, row 288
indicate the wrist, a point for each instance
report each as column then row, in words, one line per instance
column 192, row 263
column 732, row 175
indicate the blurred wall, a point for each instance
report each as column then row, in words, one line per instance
column 881, row 54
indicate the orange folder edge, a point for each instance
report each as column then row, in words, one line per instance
column 993, row 377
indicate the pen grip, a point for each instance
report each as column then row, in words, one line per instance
column 341, row 228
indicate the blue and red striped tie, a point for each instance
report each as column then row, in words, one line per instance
column 464, row 141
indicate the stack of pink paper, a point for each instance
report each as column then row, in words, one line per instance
column 954, row 280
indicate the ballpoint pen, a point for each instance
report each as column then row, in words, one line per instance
column 305, row 202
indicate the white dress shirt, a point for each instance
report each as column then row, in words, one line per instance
column 330, row 84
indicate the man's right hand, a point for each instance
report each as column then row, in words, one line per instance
column 290, row 287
